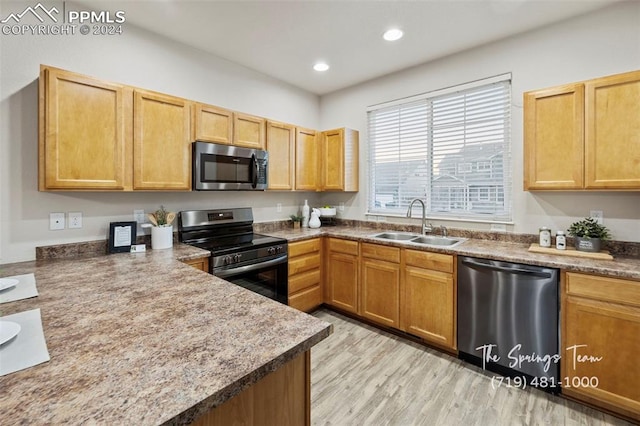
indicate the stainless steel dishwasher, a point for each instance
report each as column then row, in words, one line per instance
column 508, row 320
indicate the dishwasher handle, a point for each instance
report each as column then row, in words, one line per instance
column 509, row 270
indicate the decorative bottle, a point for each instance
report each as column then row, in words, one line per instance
column 305, row 215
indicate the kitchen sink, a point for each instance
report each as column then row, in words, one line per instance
column 418, row 239
column 396, row 236
column 433, row 240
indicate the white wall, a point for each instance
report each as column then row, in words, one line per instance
column 140, row 59
column 598, row 44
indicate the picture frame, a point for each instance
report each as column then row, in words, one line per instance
column 122, row 235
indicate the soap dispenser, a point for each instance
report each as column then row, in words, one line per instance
column 305, row 215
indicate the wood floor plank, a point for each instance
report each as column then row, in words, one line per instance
column 363, row 376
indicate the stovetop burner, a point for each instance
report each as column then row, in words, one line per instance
column 227, row 232
column 224, row 245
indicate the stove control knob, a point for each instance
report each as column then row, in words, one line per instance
column 227, row 260
column 237, row 257
column 279, row 249
column 271, row 250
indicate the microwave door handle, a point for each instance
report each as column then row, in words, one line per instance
column 254, row 182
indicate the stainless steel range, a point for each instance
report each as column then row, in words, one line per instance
column 253, row 261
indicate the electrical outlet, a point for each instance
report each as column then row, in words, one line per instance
column 279, row 207
column 597, row 215
column 341, row 207
column 498, row 227
column 138, row 216
column 56, row 221
column 75, row 220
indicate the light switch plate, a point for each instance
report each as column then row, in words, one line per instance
column 56, row 221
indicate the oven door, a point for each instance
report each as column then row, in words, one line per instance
column 268, row 278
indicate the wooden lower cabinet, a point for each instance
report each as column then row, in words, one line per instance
column 380, row 284
column 281, row 398
column 341, row 274
column 305, row 284
column 601, row 342
column 427, row 295
column 201, row 263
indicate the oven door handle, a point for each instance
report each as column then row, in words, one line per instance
column 249, row 268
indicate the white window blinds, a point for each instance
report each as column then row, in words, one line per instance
column 451, row 150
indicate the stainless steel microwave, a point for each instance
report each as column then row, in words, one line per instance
column 219, row 167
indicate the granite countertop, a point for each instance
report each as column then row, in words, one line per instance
column 621, row 267
column 142, row 338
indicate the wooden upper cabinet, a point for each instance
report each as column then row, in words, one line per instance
column 213, row 124
column 248, row 131
column 554, row 138
column 162, row 142
column 84, row 133
column 339, row 160
column 612, row 136
column 281, row 145
column 307, row 157
column 584, row 135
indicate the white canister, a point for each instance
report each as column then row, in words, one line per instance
column 161, row 237
column 545, row 237
column 561, row 241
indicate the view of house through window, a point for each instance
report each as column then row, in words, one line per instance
column 451, row 150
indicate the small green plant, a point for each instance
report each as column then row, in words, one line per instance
column 296, row 218
column 161, row 216
column 589, row 228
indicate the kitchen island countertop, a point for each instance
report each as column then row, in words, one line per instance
column 142, row 338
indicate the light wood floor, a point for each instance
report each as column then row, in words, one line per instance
column 363, row 376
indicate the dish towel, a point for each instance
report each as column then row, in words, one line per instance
column 28, row 348
column 25, row 289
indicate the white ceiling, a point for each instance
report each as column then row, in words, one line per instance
column 284, row 38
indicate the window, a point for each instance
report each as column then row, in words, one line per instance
column 451, row 149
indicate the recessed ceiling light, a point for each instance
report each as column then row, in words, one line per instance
column 321, row 66
column 393, row 34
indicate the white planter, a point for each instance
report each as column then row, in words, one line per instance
column 161, row 237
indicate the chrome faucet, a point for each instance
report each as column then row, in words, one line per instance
column 425, row 228
column 445, row 232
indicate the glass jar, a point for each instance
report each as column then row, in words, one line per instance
column 561, row 240
column 545, row 237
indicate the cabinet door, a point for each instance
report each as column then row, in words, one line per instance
column 600, row 359
column 248, row 131
column 161, row 142
column 281, row 142
column 428, row 305
column 612, row 157
column 85, row 133
column 380, row 292
column 554, row 138
column 339, row 160
column 213, row 124
column 332, row 160
column 342, row 281
column 307, row 157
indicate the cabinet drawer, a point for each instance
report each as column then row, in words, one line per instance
column 377, row 251
column 343, row 246
column 201, row 263
column 303, row 247
column 603, row 288
column 433, row 261
column 301, row 281
column 307, row 300
column 304, row 263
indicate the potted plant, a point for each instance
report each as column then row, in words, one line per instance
column 297, row 220
column 588, row 234
column 162, row 231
